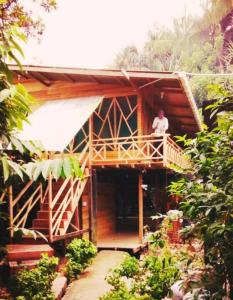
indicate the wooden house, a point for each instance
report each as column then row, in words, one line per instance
column 105, row 117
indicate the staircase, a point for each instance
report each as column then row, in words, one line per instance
column 49, row 210
column 54, row 219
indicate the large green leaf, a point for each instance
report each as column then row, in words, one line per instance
column 29, row 169
column 67, row 167
column 16, row 167
column 57, row 168
column 46, row 168
column 17, row 144
column 31, row 147
column 38, row 170
column 76, row 167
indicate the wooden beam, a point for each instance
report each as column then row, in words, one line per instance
column 96, row 72
column 120, row 81
column 70, row 93
column 40, row 78
column 11, row 212
column 140, row 207
column 71, row 79
column 126, row 75
column 91, row 130
column 50, row 200
column 70, row 235
column 93, row 78
column 21, row 74
column 139, row 115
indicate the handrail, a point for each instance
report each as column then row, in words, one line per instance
column 139, row 149
column 22, row 192
column 20, row 217
column 72, row 188
column 133, row 137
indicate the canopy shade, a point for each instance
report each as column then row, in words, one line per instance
column 56, row 122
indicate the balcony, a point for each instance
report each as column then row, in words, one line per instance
column 138, row 151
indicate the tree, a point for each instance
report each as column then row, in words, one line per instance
column 208, row 197
column 193, row 45
column 17, row 23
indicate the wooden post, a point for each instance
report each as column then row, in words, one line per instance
column 72, row 194
column 93, row 205
column 139, row 115
column 11, row 213
column 90, row 139
column 140, row 207
column 50, row 200
column 165, row 150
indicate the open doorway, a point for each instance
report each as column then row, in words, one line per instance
column 118, row 204
column 117, row 209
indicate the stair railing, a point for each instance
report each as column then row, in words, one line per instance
column 21, row 205
column 58, row 204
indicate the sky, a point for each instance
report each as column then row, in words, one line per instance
column 89, row 33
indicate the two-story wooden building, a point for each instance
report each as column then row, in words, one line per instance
column 105, row 117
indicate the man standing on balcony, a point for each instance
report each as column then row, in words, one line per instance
column 160, row 124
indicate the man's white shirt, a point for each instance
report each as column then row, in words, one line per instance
column 160, row 125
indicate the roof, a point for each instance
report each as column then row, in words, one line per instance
column 179, row 98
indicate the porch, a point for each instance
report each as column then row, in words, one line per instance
column 138, row 151
column 121, row 241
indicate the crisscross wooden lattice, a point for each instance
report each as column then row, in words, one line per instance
column 116, row 117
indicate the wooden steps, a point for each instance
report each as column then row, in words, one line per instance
column 21, row 252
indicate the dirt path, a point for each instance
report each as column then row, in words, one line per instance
column 91, row 284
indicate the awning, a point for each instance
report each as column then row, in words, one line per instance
column 56, row 122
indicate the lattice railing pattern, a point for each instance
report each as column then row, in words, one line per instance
column 138, row 150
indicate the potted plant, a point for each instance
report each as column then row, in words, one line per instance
column 174, row 217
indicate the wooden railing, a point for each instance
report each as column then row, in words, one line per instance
column 72, row 189
column 21, row 204
column 150, row 150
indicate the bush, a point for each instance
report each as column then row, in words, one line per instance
column 36, row 284
column 150, row 278
column 80, row 253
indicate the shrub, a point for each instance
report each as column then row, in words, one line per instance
column 150, row 278
column 80, row 253
column 36, row 284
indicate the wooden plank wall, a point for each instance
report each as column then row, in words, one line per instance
column 106, row 215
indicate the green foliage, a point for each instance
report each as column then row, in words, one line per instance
column 80, row 253
column 59, row 167
column 208, row 196
column 17, row 23
column 178, row 49
column 150, row 278
column 36, row 284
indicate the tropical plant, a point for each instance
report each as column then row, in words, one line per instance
column 208, row 196
column 36, row 284
column 80, row 253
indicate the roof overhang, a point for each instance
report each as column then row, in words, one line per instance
column 174, row 84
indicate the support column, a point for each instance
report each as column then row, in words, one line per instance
column 140, row 207
column 90, row 140
column 50, row 200
column 11, row 214
column 93, row 206
column 139, row 115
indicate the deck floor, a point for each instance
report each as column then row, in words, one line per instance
column 120, row 240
